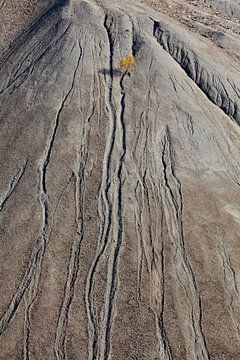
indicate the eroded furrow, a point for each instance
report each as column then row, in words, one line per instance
column 31, row 270
column 230, row 282
column 50, row 147
column 149, row 222
column 142, row 211
column 165, row 348
column 173, row 208
column 38, row 52
column 12, row 186
column 30, row 296
column 30, row 282
column 39, row 48
column 110, row 211
column 151, row 244
column 44, row 202
column 74, row 262
column 104, row 208
column 140, row 170
column 73, row 267
column 118, row 227
column 209, row 80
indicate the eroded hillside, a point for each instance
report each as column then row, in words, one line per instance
column 119, row 195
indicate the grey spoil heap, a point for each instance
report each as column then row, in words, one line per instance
column 119, row 195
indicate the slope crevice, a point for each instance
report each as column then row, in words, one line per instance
column 220, row 90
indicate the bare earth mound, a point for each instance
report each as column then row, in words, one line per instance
column 119, row 195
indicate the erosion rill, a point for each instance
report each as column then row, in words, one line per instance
column 119, row 190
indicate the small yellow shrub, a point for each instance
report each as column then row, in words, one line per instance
column 126, row 63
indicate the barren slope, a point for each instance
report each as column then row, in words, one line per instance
column 119, row 195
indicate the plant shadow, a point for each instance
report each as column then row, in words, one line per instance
column 113, row 72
